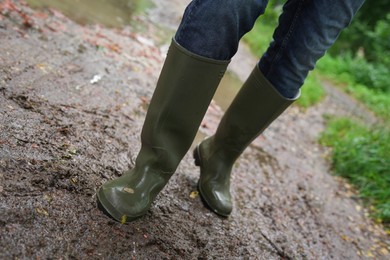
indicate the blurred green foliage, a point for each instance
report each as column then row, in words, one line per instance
column 362, row 155
column 312, row 91
column 343, row 71
column 360, row 71
column 363, row 49
column 369, row 33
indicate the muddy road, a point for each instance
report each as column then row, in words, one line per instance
column 72, row 102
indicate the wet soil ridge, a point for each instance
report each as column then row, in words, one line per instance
column 72, row 104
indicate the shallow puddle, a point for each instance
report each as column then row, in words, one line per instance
column 111, row 13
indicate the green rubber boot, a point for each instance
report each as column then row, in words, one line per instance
column 254, row 108
column 184, row 90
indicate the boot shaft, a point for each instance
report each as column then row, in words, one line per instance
column 255, row 107
column 184, row 90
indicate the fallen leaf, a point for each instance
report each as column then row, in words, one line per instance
column 72, row 151
column 123, row 219
column 144, row 40
column 128, row 190
column 42, row 212
column 194, row 194
column 384, row 251
column 48, row 198
column 42, row 67
column 114, row 47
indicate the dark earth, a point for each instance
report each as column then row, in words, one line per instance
column 72, row 103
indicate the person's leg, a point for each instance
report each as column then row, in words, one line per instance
column 184, row 90
column 213, row 28
column 186, row 85
column 306, row 30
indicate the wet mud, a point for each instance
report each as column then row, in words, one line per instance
column 72, row 102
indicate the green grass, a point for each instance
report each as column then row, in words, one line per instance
column 341, row 71
column 362, row 155
column 376, row 101
column 312, row 91
column 259, row 38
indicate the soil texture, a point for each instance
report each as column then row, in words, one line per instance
column 72, row 103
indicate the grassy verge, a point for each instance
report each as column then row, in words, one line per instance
column 362, row 155
column 359, row 79
column 312, row 91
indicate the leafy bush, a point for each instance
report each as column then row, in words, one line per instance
column 379, row 40
column 368, row 34
column 359, row 71
column 345, row 70
column 362, row 155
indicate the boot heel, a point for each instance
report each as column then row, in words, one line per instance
column 196, row 156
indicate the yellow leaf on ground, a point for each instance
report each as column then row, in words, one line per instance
column 194, row 194
column 42, row 212
column 369, row 254
column 384, row 251
column 123, row 219
column 48, row 197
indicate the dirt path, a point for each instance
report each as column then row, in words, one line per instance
column 72, row 103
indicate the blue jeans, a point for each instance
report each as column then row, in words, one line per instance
column 307, row 28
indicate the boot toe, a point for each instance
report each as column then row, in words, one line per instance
column 218, row 201
column 222, row 207
column 121, row 203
